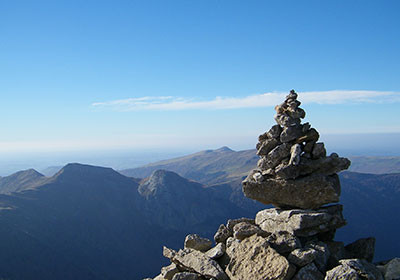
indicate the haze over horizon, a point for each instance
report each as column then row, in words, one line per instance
column 183, row 76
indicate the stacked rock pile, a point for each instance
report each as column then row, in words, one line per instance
column 295, row 240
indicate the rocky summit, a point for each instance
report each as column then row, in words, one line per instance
column 295, row 240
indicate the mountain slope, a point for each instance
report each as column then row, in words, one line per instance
column 174, row 203
column 19, row 181
column 90, row 222
column 207, row 167
column 371, row 209
column 83, row 223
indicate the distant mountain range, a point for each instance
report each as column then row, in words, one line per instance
column 224, row 165
column 88, row 222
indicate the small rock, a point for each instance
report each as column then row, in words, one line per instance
column 284, row 242
column 193, row 241
column 277, row 154
column 274, row 132
column 267, row 146
column 318, row 151
column 308, row 147
column 243, row 230
column 193, row 260
column 302, row 257
column 309, row 272
column 232, row 222
column 285, row 120
column 311, row 136
column 291, row 133
column 354, row 269
column 222, row 234
column 363, row 248
column 216, row 252
column 295, row 152
column 187, row 276
column 169, row 271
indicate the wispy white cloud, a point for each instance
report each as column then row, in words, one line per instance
column 251, row 101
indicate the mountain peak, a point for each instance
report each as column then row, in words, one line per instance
column 85, row 171
column 224, row 149
column 162, row 181
column 19, row 181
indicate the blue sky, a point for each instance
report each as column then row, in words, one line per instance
column 101, row 75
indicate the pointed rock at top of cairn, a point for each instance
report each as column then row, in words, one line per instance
column 294, row 170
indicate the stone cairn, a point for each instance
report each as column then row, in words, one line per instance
column 295, row 240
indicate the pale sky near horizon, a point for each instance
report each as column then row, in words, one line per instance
column 84, row 75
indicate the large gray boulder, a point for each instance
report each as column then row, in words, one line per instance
column 301, row 223
column 309, row 192
column 354, row 269
column 193, row 260
column 254, row 259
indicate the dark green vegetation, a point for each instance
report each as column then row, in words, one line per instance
column 90, row 222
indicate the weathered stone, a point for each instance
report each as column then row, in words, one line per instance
column 193, row 260
column 354, row 269
column 301, row 222
column 391, row 270
column 274, row 132
column 311, row 136
column 285, row 120
column 169, row 271
column 322, row 256
column 291, row 133
column 302, row 257
column 222, row 234
column 318, row 151
column 363, row 248
column 294, row 112
column 309, row 192
column 308, row 147
column 243, row 230
column 193, row 241
column 267, row 146
column 216, row 252
column 277, row 154
column 254, row 259
column 187, row 276
column 283, row 242
column 262, row 138
column 158, row 277
column 323, row 166
column 233, row 222
column 309, row 272
column 295, row 152
column 231, row 243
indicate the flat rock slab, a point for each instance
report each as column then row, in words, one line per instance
column 310, row 192
column 254, row 259
column 299, row 222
